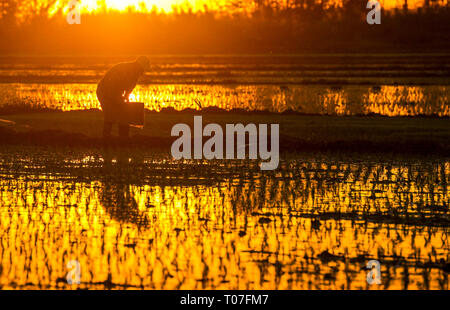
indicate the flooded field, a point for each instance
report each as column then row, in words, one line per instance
column 336, row 84
column 133, row 218
column 140, row 220
column 309, row 99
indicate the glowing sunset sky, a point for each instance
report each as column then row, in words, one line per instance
column 139, row 5
column 166, row 5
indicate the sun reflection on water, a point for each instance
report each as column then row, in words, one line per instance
column 351, row 100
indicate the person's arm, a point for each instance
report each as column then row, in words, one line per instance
column 129, row 88
column 126, row 94
column 128, row 80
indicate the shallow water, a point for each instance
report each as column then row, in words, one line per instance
column 338, row 84
column 310, row 99
column 144, row 221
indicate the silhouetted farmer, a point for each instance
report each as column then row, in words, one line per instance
column 113, row 91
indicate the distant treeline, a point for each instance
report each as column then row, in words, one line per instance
column 301, row 26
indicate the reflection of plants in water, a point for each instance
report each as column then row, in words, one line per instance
column 146, row 221
column 119, row 202
column 383, row 190
column 308, row 99
column 407, row 100
column 116, row 196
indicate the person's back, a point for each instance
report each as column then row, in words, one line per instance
column 119, row 79
column 113, row 91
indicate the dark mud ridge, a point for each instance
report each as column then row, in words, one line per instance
column 21, row 108
column 287, row 143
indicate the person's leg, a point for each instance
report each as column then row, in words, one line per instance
column 114, row 112
column 107, row 128
column 106, row 105
column 124, row 130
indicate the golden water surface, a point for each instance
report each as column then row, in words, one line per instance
column 311, row 99
column 143, row 221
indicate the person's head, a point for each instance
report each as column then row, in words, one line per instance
column 144, row 62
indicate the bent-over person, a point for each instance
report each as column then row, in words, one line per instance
column 113, row 92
